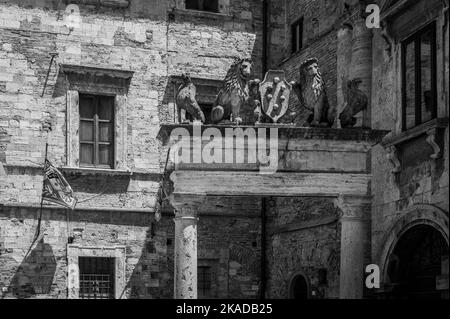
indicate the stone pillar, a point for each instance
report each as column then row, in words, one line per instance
column 344, row 60
column 355, row 236
column 185, row 268
column 362, row 65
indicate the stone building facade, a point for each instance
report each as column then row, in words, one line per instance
column 341, row 199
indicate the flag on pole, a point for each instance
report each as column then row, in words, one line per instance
column 55, row 188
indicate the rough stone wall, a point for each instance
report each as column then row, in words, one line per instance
column 312, row 246
column 42, row 273
column 422, row 180
column 228, row 236
column 156, row 43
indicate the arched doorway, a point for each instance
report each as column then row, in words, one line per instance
column 299, row 287
column 415, row 264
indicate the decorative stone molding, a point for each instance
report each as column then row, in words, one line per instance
column 388, row 38
column 95, row 80
column 353, row 207
column 431, row 140
column 432, row 129
column 103, row 3
column 73, row 276
column 392, row 156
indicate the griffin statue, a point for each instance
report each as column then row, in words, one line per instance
column 185, row 100
column 355, row 101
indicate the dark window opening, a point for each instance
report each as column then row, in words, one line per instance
column 203, row 5
column 96, row 130
column 299, row 288
column 297, row 35
column 419, row 97
column 206, row 109
column 96, row 277
column 204, row 281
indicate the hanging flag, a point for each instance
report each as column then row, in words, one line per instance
column 56, row 189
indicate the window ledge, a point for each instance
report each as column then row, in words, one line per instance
column 430, row 129
column 201, row 14
column 95, row 171
column 415, row 132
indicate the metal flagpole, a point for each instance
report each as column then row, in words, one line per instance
column 38, row 229
column 42, row 197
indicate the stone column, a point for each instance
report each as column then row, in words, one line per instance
column 185, row 268
column 361, row 67
column 355, row 236
column 344, row 60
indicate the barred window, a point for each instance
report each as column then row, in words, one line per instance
column 96, row 277
column 204, row 281
column 96, row 130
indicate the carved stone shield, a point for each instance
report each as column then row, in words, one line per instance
column 275, row 92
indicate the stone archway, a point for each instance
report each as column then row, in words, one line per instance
column 420, row 233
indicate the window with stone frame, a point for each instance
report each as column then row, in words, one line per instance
column 96, row 277
column 96, row 131
column 202, row 5
column 419, row 91
column 297, row 35
column 96, row 117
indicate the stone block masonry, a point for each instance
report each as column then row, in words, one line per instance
column 115, row 207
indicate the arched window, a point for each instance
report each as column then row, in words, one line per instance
column 299, row 288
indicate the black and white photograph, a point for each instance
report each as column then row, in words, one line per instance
column 242, row 151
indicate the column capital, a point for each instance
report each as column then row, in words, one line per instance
column 185, row 206
column 353, row 206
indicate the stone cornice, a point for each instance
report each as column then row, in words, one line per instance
column 291, row 132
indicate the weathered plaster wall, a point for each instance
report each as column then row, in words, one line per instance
column 422, row 180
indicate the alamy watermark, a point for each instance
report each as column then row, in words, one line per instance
column 373, row 277
column 248, row 145
column 373, row 19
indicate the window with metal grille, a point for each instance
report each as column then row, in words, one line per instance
column 297, row 35
column 419, row 97
column 96, row 277
column 96, row 130
column 203, row 5
column 204, row 281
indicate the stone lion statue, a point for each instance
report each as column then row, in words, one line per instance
column 355, row 101
column 234, row 93
column 185, row 100
column 311, row 92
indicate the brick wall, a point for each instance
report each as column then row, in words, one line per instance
column 319, row 41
